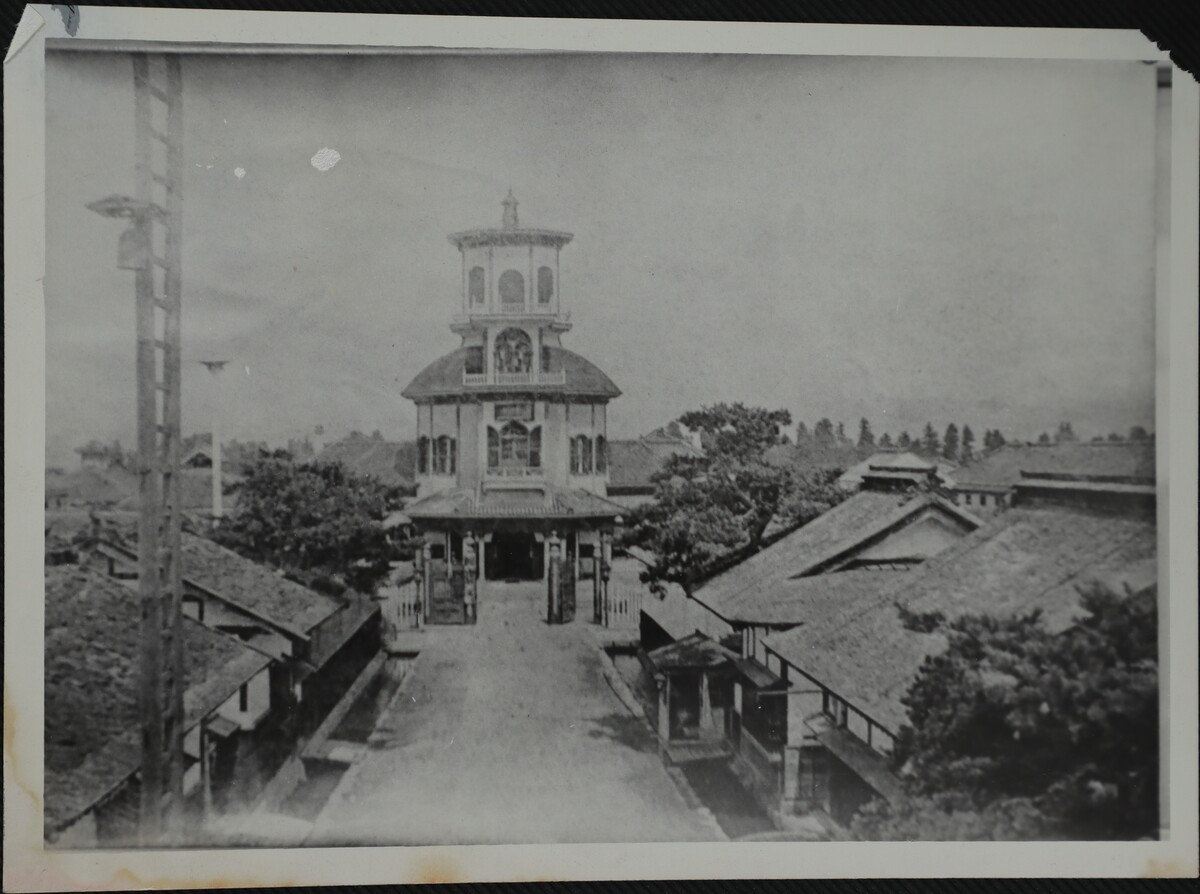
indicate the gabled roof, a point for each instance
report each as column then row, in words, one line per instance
column 444, row 377
column 887, row 461
column 243, row 583
column 92, row 726
column 694, row 651
column 1025, row 559
column 1003, row 468
column 552, row 502
column 736, row 593
column 631, row 464
column 391, row 462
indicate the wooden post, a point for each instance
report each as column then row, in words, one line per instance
column 706, row 715
column 663, row 682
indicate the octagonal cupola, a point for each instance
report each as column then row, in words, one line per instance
column 511, row 272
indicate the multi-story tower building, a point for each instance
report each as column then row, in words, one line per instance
column 512, row 450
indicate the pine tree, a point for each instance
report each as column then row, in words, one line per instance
column 967, row 450
column 950, row 443
column 885, row 442
column 803, row 438
column 1065, row 433
column 866, row 438
column 841, row 435
column 823, row 435
column 930, row 445
column 904, row 442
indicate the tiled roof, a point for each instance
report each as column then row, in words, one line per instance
column 693, row 651
column 444, row 376
column 91, row 686
column 254, row 586
column 854, row 521
column 632, row 463
column 1024, row 559
column 391, row 462
column 895, row 461
column 242, row 582
column 1108, row 459
column 787, row 600
column 195, row 490
column 553, row 503
column 94, row 486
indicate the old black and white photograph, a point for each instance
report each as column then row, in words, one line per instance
column 459, row 446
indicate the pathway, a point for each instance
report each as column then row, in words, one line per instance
column 508, row 732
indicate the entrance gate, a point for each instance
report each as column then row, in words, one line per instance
column 512, row 555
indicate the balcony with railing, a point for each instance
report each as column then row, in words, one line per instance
column 513, row 380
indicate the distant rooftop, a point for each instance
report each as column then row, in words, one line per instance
column 1112, row 460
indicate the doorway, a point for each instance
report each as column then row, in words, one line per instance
column 513, row 555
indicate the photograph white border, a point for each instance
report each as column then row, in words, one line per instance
column 29, row 867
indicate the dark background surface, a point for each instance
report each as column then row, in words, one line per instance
column 1172, row 25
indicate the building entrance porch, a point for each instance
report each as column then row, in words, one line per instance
column 514, row 556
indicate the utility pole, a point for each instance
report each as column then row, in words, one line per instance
column 150, row 246
column 215, row 367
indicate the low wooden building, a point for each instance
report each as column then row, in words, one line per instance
column 850, row 664
column 92, row 720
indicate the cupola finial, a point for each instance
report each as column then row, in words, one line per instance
column 510, row 211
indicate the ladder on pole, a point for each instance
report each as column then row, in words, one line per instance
column 158, row 116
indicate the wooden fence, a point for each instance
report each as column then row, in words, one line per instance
column 623, row 607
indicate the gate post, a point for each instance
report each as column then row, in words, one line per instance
column 470, row 588
column 554, row 581
column 605, row 573
column 426, row 577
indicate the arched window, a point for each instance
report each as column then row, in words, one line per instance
column 545, row 285
column 445, row 456
column 601, row 454
column 581, row 455
column 514, row 352
column 512, row 288
column 422, row 455
column 514, row 448
column 475, row 285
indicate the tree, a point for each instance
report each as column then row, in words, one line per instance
column 311, row 517
column 966, row 452
column 866, row 438
column 904, row 442
column 1018, row 732
column 1065, row 433
column 712, row 509
column 1138, row 433
column 950, row 443
column 930, row 445
column 1114, row 437
column 823, row 435
column 842, row 438
column 885, row 442
column 803, row 438
column 1043, row 438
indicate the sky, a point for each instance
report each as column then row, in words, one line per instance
column 952, row 240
